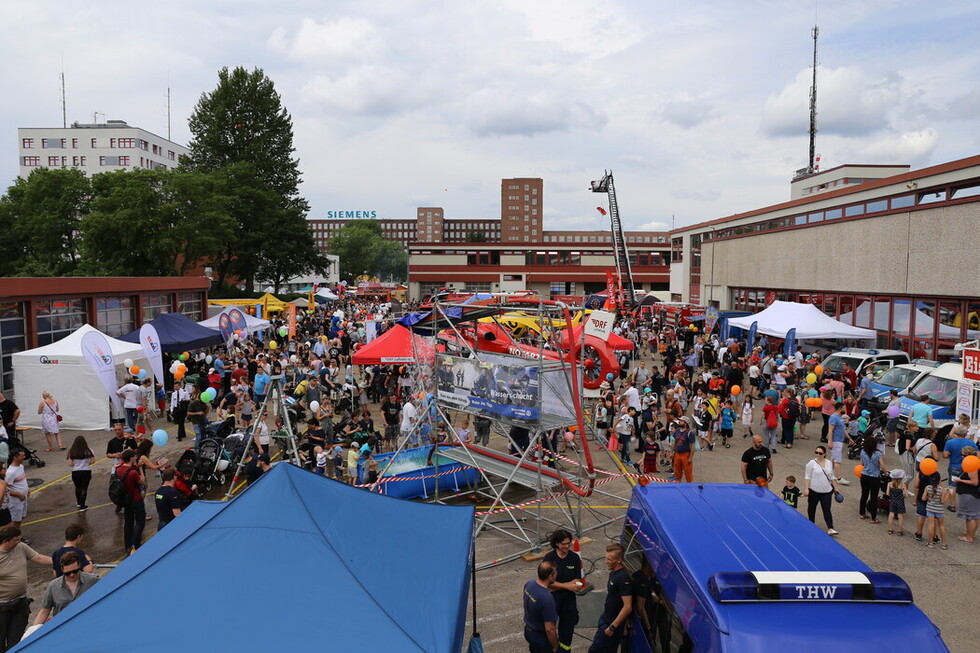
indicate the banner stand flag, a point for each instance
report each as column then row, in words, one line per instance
column 237, row 320
column 150, row 342
column 789, row 347
column 224, row 328
column 753, row 330
column 710, row 319
column 98, row 354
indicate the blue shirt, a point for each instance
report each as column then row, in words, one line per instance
column 872, row 464
column 772, row 393
column 539, row 606
column 684, row 441
column 955, row 448
column 261, row 381
column 727, row 418
column 837, row 423
column 920, row 413
column 219, row 366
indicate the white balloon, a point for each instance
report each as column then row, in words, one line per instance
column 208, row 359
column 173, row 367
column 293, row 359
column 314, row 406
column 128, row 362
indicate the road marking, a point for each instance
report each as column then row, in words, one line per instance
column 66, row 514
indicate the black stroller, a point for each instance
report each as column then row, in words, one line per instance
column 14, row 442
column 205, row 467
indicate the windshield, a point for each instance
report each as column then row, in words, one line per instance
column 897, row 377
column 835, row 363
column 940, row 390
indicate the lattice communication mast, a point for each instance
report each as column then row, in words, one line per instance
column 623, row 269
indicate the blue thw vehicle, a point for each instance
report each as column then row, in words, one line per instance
column 740, row 570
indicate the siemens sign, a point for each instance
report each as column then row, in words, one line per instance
column 348, row 215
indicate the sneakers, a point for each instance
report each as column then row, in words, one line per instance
column 831, row 531
column 843, row 481
column 918, row 537
column 83, row 509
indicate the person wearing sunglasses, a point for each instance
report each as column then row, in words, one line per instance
column 819, row 487
column 66, row 588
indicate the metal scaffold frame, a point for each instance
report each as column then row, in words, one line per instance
column 537, row 467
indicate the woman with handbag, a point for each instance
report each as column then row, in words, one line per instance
column 48, row 410
column 820, row 487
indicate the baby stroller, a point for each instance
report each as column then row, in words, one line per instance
column 204, row 467
column 219, row 430
column 14, row 442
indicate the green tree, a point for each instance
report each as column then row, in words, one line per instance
column 242, row 130
column 476, row 236
column 153, row 223
column 39, row 217
column 363, row 250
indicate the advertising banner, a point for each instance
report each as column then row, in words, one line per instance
column 710, row 319
column 753, row 330
column 224, row 328
column 600, row 324
column 971, row 364
column 150, row 342
column 291, row 320
column 98, row 353
column 238, row 322
column 501, row 387
column 789, row 346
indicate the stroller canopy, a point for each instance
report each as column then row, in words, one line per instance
column 393, row 574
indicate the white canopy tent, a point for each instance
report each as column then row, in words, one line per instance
column 326, row 294
column 924, row 323
column 61, row 369
column 252, row 324
column 809, row 321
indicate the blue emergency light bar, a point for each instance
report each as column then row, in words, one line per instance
column 808, row 586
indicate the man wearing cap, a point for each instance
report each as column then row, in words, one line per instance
column 256, row 467
column 684, row 451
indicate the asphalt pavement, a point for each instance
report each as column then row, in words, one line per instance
column 943, row 582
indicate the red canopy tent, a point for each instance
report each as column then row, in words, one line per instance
column 396, row 345
column 617, row 343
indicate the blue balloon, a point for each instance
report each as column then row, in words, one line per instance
column 142, row 374
column 160, row 437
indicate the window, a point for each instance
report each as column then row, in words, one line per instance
column 154, row 305
column 857, row 209
column 124, row 160
column 57, row 318
column 967, row 191
column 171, row 155
column 127, row 142
column 54, row 161
column 108, row 160
column 53, row 143
column 143, row 145
column 95, row 143
column 479, row 286
column 189, row 303
column 27, row 143
column 879, row 205
column 483, row 258
column 12, row 339
column 74, row 143
column 928, row 198
column 115, row 315
column 513, row 277
column 832, row 214
column 31, row 161
column 903, row 201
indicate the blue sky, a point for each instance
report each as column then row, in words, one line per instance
column 700, row 108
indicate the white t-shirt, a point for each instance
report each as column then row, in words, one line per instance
column 819, row 481
column 753, row 371
column 409, row 413
column 130, row 394
column 262, row 431
column 17, row 478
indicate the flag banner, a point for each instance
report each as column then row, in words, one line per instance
column 150, row 342
column 98, row 353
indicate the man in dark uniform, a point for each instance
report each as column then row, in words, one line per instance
column 647, row 603
column 568, row 566
column 540, row 615
column 619, row 604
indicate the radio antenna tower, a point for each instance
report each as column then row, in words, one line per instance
column 813, row 106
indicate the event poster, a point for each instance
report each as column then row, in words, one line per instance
column 150, row 341
column 502, row 387
column 98, row 353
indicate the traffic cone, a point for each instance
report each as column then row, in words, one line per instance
column 575, row 546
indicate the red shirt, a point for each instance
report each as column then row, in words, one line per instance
column 214, row 380
column 770, row 411
column 237, row 374
column 131, row 481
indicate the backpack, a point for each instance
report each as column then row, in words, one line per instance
column 793, row 409
column 118, row 493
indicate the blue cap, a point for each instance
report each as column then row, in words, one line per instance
column 865, row 412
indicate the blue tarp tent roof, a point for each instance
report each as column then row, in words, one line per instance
column 179, row 333
column 269, row 569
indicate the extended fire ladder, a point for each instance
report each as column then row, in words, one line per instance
column 620, row 251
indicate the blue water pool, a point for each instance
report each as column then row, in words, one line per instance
column 417, row 475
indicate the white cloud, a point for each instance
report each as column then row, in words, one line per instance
column 345, row 38
column 496, row 112
column 652, row 226
column 910, row 147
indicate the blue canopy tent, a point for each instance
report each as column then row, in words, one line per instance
column 262, row 572
column 179, row 333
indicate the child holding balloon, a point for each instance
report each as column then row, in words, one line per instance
column 936, row 497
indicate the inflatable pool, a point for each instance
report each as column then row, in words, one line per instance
column 417, row 475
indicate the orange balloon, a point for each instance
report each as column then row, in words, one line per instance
column 135, row 369
column 818, row 369
column 736, row 389
column 761, row 482
column 178, row 375
column 858, row 469
column 971, row 464
column 186, row 355
column 813, row 402
column 928, row 466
